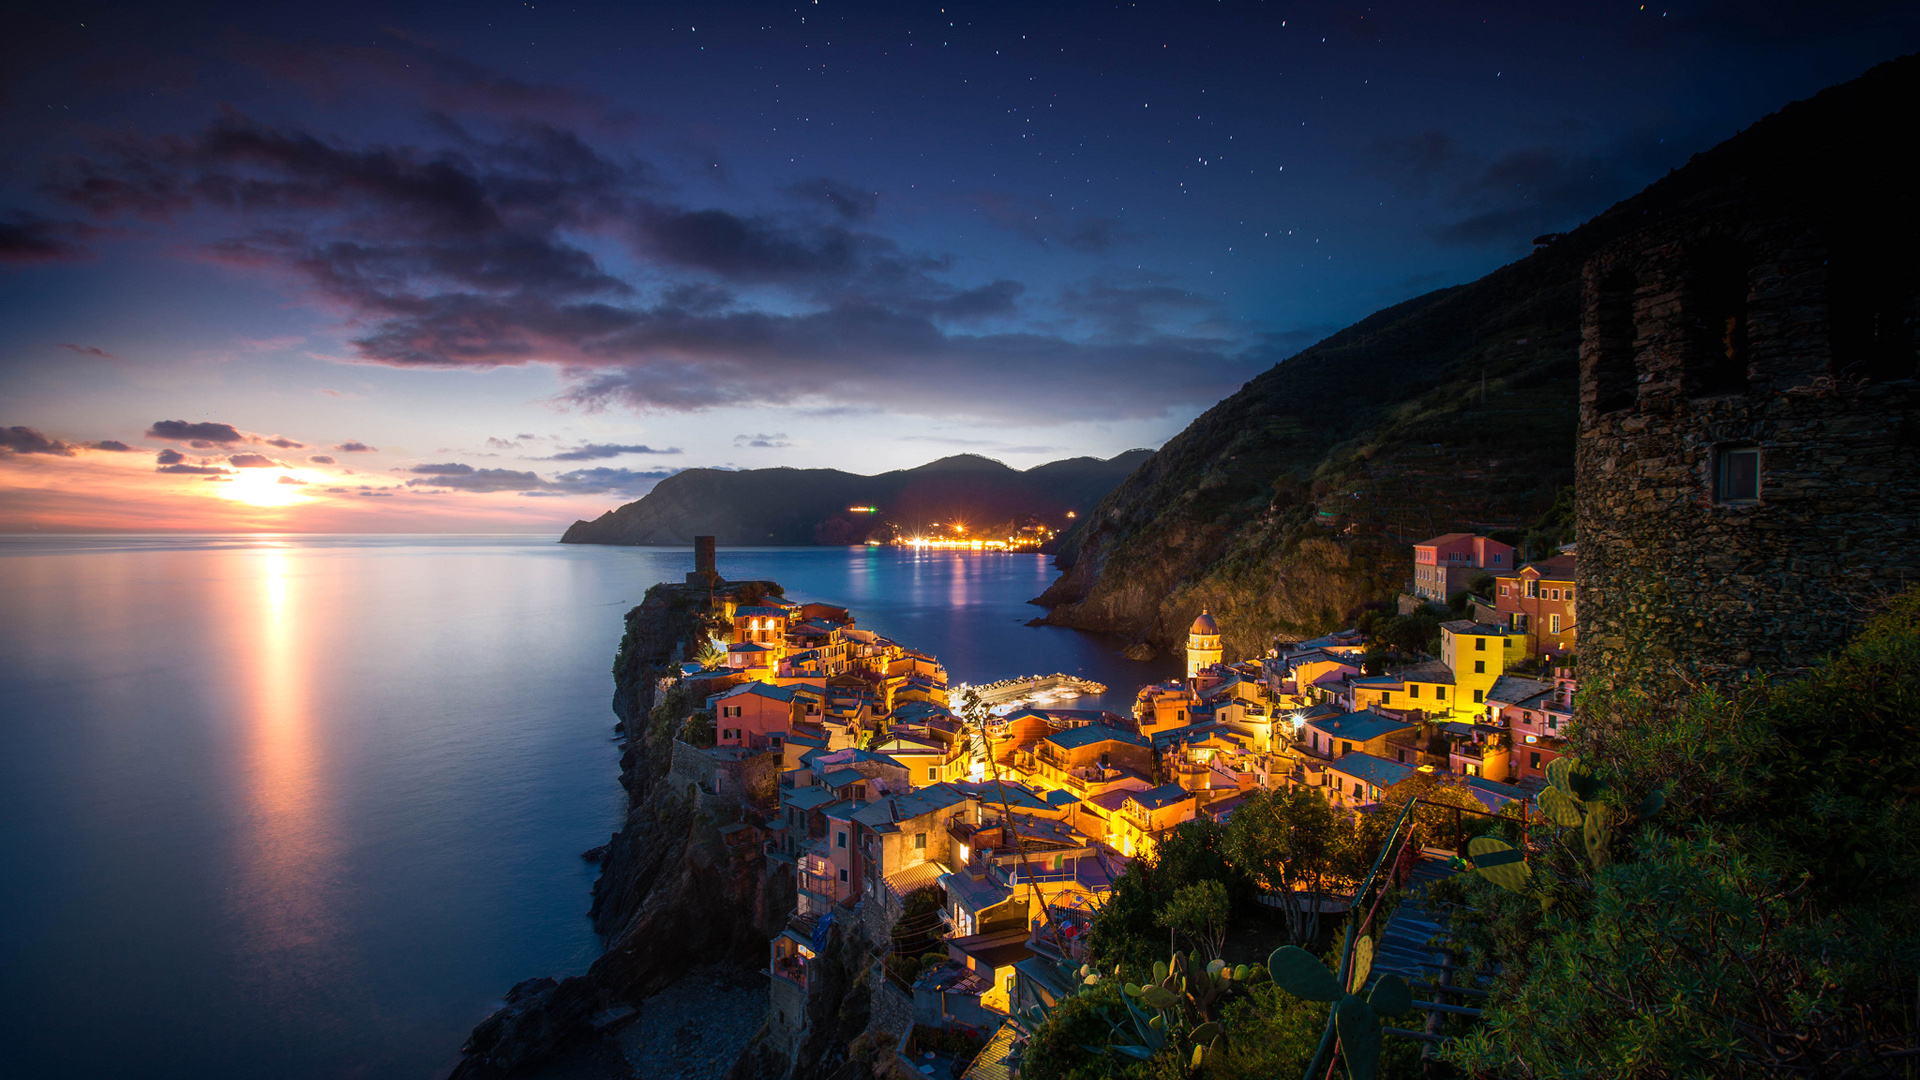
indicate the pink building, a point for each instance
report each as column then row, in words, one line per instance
column 756, row 715
column 1444, row 565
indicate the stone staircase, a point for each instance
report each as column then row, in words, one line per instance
column 1402, row 946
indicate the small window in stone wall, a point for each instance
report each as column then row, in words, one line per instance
column 1717, row 353
column 1616, row 373
column 1870, row 290
column 1736, row 474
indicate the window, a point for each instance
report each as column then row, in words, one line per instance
column 1402, row 754
column 1346, row 747
column 1440, row 693
column 1737, row 474
column 920, row 841
column 1496, row 560
column 1615, row 376
column 1717, row 353
column 843, row 870
column 1569, row 596
column 840, row 841
column 1553, row 624
column 1533, row 590
column 1533, row 764
column 1503, row 590
column 1386, row 697
column 1479, row 696
column 1413, row 690
column 1479, row 667
column 933, row 772
column 1479, row 644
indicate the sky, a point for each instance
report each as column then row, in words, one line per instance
column 491, row 267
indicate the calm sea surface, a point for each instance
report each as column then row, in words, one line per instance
column 306, row 806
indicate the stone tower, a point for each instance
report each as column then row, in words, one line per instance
column 1748, row 464
column 1203, row 643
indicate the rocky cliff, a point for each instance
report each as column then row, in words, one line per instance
column 1291, row 502
column 810, row 506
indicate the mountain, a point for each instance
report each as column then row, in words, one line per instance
column 811, row 506
column 1290, row 504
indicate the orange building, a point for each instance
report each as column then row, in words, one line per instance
column 1538, row 600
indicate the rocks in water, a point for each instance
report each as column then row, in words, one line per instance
column 540, row 1018
column 595, row 854
column 1139, row 650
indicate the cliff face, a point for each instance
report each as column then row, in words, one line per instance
column 810, row 506
column 1287, row 504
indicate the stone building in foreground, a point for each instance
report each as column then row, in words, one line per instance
column 1748, row 466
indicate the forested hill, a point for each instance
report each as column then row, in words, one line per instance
column 812, row 506
column 1292, row 502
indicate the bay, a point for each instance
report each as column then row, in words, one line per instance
column 305, row 806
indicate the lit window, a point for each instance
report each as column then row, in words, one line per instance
column 1553, row 623
column 1737, row 478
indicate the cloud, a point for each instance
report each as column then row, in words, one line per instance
column 169, row 457
column 386, row 494
column 193, row 470
column 595, row 451
column 320, row 459
column 88, row 350
column 765, row 442
column 285, row 479
column 202, row 435
column 25, row 440
column 112, row 445
column 489, row 254
column 543, row 495
column 254, row 461
column 602, row 479
column 355, row 448
column 30, row 238
column 451, row 468
column 284, row 443
column 468, row 478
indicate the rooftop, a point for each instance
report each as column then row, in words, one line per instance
column 1377, row 771
column 1162, row 796
column 1358, row 726
column 1092, row 734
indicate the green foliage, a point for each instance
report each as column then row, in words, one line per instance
column 1290, row 839
column 698, row 729
column 1754, row 912
column 1356, row 1018
column 1200, row 912
column 1129, row 930
column 711, row 653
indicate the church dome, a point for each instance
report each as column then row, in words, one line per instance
column 1204, row 625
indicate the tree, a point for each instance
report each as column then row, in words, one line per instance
column 1288, row 842
column 711, row 653
column 698, row 730
column 1200, row 912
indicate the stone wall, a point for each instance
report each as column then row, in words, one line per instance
column 1751, row 318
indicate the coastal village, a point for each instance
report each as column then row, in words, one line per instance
column 905, row 808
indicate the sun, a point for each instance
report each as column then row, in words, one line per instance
column 263, row 487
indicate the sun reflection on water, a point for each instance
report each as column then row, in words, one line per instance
column 287, row 848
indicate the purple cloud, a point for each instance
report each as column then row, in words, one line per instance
column 203, row 435
column 25, row 440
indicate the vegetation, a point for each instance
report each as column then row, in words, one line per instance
column 1734, row 890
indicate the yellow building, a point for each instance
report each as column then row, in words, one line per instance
column 1203, row 644
column 1477, row 654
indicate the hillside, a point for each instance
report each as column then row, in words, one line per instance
column 810, row 506
column 1289, row 504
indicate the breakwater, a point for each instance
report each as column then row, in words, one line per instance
column 1035, row 689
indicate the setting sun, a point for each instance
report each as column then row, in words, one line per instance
column 265, row 487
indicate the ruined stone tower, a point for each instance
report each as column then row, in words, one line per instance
column 1748, row 465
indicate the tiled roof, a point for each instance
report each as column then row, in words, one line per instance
column 759, row 689
column 1479, row 629
column 1162, row 796
column 1074, row 738
column 760, row 611
column 1377, row 771
column 1445, row 538
column 914, row 878
column 1357, row 727
column 1512, row 689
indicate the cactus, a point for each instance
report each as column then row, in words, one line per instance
column 1500, row 863
column 1356, row 1019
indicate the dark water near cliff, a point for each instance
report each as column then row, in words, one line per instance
column 303, row 807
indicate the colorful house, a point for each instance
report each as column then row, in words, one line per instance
column 1477, row 654
column 1145, row 816
column 1537, row 600
column 1446, row 564
column 1357, row 779
column 756, row 715
column 1353, row 733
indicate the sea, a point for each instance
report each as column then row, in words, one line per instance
column 306, row 806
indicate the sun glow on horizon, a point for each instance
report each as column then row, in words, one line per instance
column 263, row 487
